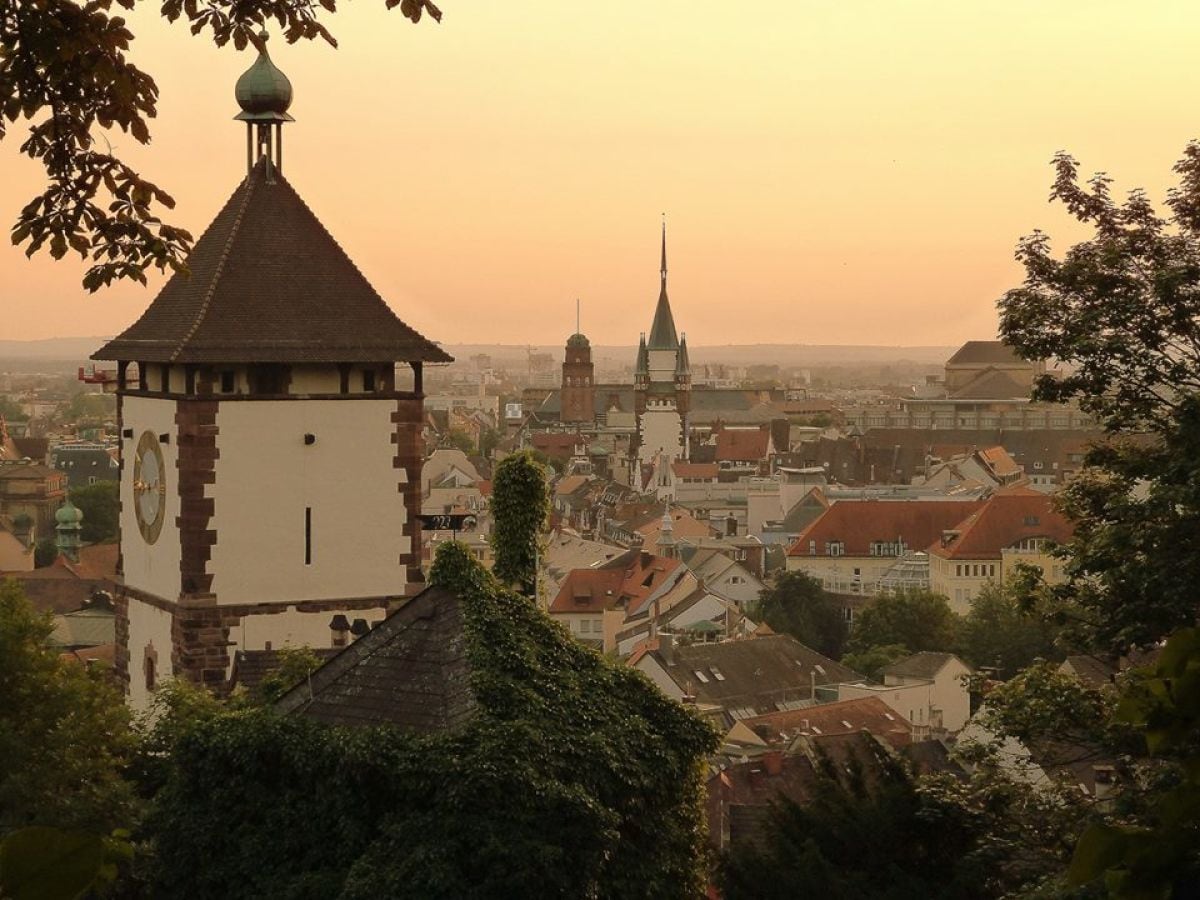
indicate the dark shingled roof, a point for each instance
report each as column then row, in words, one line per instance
column 974, row 352
column 758, row 675
column 410, row 670
column 269, row 284
column 923, row 664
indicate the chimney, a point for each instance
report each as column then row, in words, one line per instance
column 339, row 631
column 773, row 762
column 666, row 646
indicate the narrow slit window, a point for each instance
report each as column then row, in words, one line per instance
column 369, row 380
column 227, row 382
column 308, row 535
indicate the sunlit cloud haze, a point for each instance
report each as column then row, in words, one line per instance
column 832, row 172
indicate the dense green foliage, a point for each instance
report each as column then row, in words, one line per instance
column 1156, row 854
column 87, row 406
column 460, row 440
column 861, row 835
column 917, row 620
column 100, row 504
column 65, row 735
column 295, row 665
column 796, row 604
column 999, row 633
column 67, row 72
column 11, row 411
column 520, row 512
column 873, row 660
column 1122, row 312
column 574, row 778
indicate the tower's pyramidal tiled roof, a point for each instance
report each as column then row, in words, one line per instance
column 663, row 335
column 269, row 284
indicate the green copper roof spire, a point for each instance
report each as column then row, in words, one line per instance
column 264, row 94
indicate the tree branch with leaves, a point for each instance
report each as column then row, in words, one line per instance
column 64, row 69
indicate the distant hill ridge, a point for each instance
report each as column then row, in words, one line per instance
column 79, row 348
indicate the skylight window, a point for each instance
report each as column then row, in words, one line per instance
column 820, row 669
column 703, row 678
column 717, row 673
column 846, row 724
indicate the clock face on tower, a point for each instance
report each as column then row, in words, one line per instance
column 149, row 486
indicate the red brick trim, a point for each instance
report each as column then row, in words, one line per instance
column 408, row 419
column 196, row 435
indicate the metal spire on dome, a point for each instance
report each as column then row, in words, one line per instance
column 264, row 93
column 662, row 332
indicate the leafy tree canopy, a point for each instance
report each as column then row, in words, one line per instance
column 868, row 831
column 65, row 734
column 796, row 604
column 11, row 411
column 872, row 660
column 1000, row 632
column 917, row 620
column 100, row 504
column 68, row 74
column 1122, row 311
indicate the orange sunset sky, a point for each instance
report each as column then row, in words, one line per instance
column 833, row 171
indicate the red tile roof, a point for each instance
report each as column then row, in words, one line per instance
column 736, row 444
column 695, row 470
column 623, row 582
column 1004, row 519
column 844, row 717
column 857, row 523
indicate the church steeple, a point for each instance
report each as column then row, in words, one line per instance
column 663, row 335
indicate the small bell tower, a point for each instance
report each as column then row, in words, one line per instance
column 264, row 94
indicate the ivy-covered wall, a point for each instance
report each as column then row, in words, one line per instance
column 575, row 778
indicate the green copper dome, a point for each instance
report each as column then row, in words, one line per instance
column 68, row 514
column 578, row 340
column 263, row 92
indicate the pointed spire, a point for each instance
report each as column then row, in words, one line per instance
column 642, row 366
column 662, row 332
column 683, row 366
column 663, row 268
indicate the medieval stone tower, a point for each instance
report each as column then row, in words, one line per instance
column 270, row 465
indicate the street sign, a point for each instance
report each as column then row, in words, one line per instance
column 448, row 521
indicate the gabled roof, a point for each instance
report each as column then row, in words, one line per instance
column 695, row 470
column 626, row 581
column 981, row 352
column 410, row 670
column 992, row 384
column 868, row 714
column 923, row 664
column 269, row 284
column 857, row 523
column 1004, row 519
